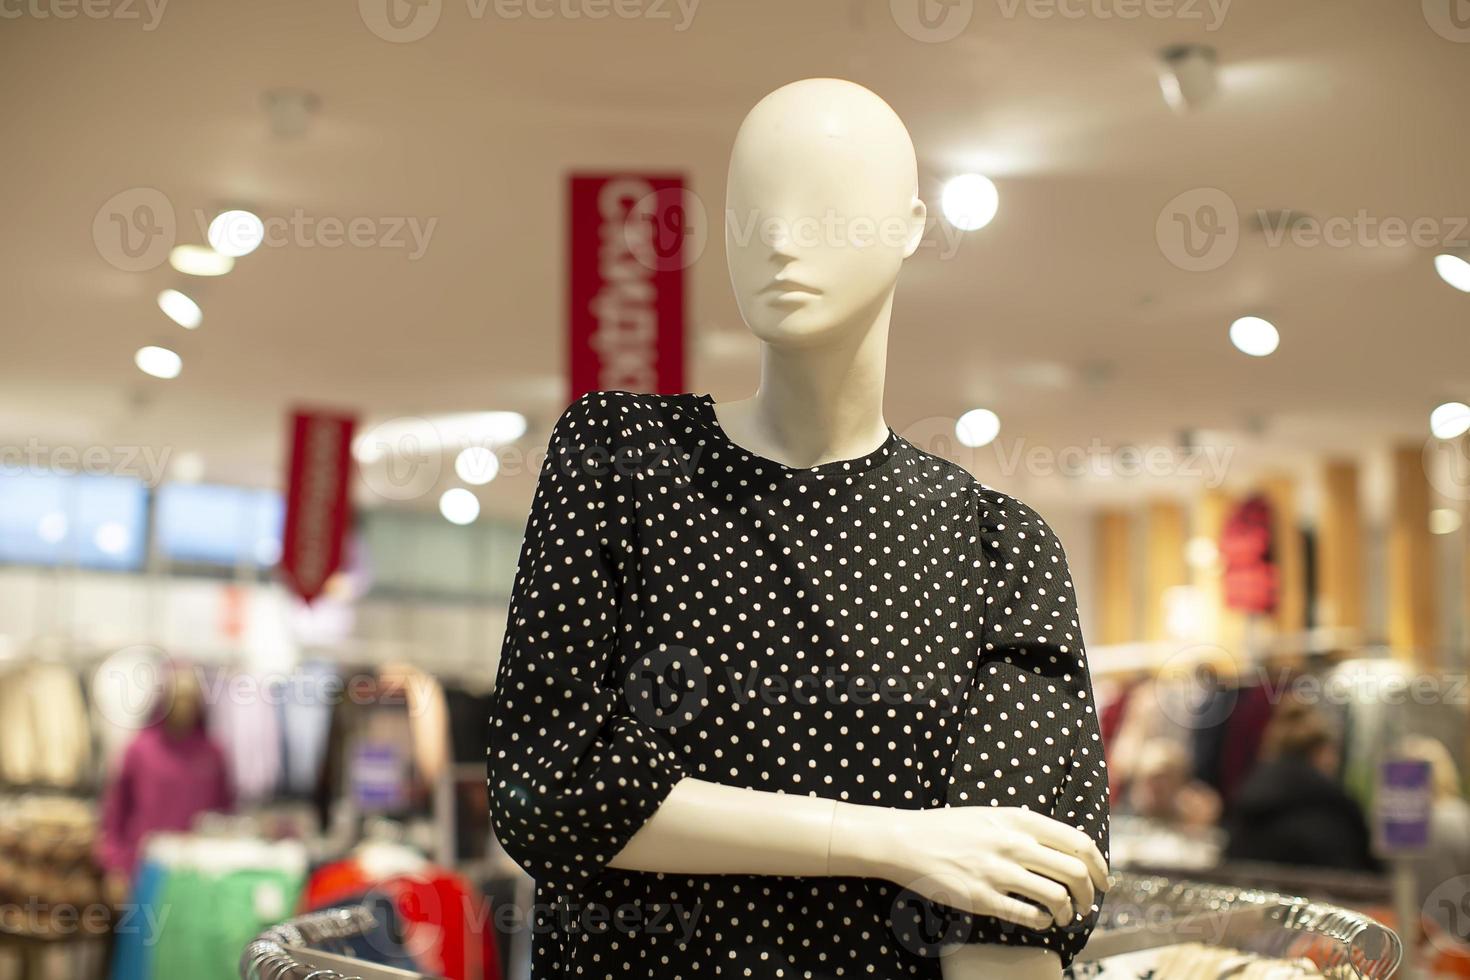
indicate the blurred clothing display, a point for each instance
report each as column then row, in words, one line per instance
column 45, row 739
column 305, row 720
column 442, row 932
column 170, row 774
column 244, row 722
column 199, row 899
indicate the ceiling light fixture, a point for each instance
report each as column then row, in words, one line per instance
column 158, row 362
column 1188, row 76
column 1255, row 336
column 180, row 309
column 199, row 260
column 969, row 201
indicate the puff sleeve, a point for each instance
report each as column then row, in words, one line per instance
column 572, row 772
column 1031, row 736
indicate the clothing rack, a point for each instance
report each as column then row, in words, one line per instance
column 285, row 952
column 1142, row 912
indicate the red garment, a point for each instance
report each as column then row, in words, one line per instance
column 442, row 933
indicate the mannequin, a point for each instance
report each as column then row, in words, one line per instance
column 822, row 210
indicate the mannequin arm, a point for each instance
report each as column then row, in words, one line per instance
column 975, row 858
column 981, row 962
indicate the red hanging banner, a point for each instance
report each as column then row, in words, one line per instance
column 627, row 256
column 318, row 510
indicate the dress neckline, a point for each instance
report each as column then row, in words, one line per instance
column 704, row 410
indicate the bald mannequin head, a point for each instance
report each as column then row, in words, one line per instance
column 821, row 210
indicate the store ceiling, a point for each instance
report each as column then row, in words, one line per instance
column 1064, row 315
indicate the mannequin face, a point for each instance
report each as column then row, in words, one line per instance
column 821, row 210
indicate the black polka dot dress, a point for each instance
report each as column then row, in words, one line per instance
column 882, row 630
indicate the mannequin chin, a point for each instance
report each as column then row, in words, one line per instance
column 821, row 211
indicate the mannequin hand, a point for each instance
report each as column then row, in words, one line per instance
column 976, row 859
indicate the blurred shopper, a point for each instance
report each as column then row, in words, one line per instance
column 1442, row 870
column 1164, row 788
column 169, row 774
column 1291, row 809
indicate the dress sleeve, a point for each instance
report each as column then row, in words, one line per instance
column 1031, row 737
column 573, row 772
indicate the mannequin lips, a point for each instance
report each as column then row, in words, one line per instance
column 789, row 291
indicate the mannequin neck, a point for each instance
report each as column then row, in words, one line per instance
column 819, row 403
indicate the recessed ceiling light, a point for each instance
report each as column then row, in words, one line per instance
column 180, row 309
column 1450, row 420
column 438, row 433
column 52, row 527
column 977, row 427
column 969, row 201
column 159, row 362
column 459, row 506
column 236, row 232
column 1454, row 270
column 1442, row 520
column 477, row 465
column 1188, row 76
column 199, row 260
column 1254, row 336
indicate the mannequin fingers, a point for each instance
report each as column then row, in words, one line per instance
column 1067, row 870
column 1014, row 910
column 1043, row 891
column 1069, row 840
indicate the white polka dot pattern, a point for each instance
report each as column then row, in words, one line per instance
column 883, row 630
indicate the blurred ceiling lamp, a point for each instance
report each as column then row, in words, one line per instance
column 459, row 506
column 1254, row 336
column 438, row 433
column 1442, row 520
column 1450, row 420
column 236, row 232
column 969, row 201
column 180, row 309
column 1454, row 270
column 111, row 538
column 52, row 527
column 199, row 260
column 187, row 467
column 158, row 362
column 477, row 465
column 1188, row 76
column 289, row 111
column 977, row 427
column 1201, row 552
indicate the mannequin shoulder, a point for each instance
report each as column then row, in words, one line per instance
column 614, row 410
column 1010, row 526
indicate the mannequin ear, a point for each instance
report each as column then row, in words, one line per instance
column 918, row 217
